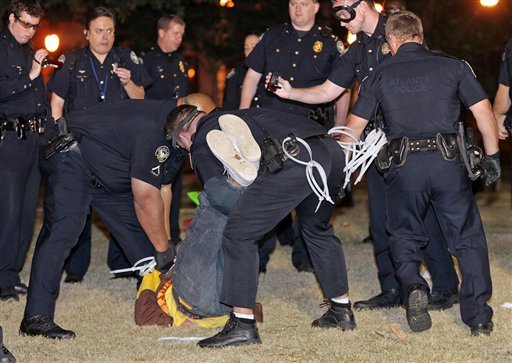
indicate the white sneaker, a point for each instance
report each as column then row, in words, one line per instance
column 238, row 167
column 240, row 135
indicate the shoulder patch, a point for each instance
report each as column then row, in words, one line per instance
column 231, row 73
column 134, row 57
column 62, row 58
column 341, row 47
column 162, row 153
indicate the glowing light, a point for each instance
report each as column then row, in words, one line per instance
column 191, row 73
column 351, row 38
column 223, row 2
column 489, row 3
column 51, row 42
column 379, row 7
column 227, row 3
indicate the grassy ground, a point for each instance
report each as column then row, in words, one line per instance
column 100, row 311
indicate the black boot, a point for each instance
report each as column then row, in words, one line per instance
column 46, row 327
column 338, row 316
column 5, row 355
column 237, row 331
column 417, row 309
column 480, row 330
column 386, row 299
column 440, row 300
column 8, row 294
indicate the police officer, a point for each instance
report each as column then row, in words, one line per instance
column 168, row 71
column 235, row 78
column 502, row 100
column 268, row 199
column 360, row 60
column 23, row 108
column 130, row 198
column 304, row 53
column 409, row 88
column 98, row 73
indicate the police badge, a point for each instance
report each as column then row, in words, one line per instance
column 318, row 46
column 162, row 153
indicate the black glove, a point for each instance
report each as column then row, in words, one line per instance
column 492, row 167
column 165, row 260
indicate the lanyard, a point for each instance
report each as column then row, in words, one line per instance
column 103, row 90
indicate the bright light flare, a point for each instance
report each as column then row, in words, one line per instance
column 51, row 42
column 191, row 73
column 351, row 38
column 489, row 3
column 379, row 7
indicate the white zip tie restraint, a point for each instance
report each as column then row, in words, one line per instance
column 321, row 192
column 143, row 266
column 359, row 153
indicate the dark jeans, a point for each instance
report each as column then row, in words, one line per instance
column 199, row 268
column 427, row 179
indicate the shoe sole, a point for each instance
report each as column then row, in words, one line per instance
column 218, row 346
column 359, row 308
column 417, row 311
column 241, row 136
column 239, row 168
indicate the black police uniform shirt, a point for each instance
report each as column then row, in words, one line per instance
column 263, row 122
column 168, row 72
column 19, row 95
column 126, row 140
column 233, row 88
column 305, row 60
column 82, row 79
column 505, row 76
column 362, row 57
column 419, row 92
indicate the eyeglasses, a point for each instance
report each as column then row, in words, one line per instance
column 345, row 13
column 26, row 24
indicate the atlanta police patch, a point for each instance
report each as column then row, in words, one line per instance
column 162, row 153
column 340, row 46
column 62, row 58
column 134, row 57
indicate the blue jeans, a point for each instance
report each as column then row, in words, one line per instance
column 199, row 268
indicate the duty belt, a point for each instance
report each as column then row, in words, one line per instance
column 423, row 144
column 21, row 126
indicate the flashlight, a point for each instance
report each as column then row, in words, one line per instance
column 51, row 43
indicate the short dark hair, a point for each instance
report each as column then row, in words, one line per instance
column 177, row 115
column 97, row 12
column 165, row 20
column 31, row 7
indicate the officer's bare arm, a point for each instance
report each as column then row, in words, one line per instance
column 357, row 125
column 322, row 93
column 57, row 104
column 133, row 90
column 501, row 105
column 166, row 193
column 342, row 106
column 249, row 87
column 149, row 208
column 486, row 125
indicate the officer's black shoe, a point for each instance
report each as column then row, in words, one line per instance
column 73, row 279
column 8, row 294
column 21, row 289
column 367, row 239
column 338, row 316
column 386, row 299
column 46, row 327
column 5, row 355
column 480, row 330
column 235, row 332
column 440, row 300
column 417, row 309
column 305, row 267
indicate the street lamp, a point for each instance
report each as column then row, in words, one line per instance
column 489, row 3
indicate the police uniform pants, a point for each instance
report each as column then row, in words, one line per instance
column 68, row 199
column 266, row 202
column 435, row 253
column 19, row 178
column 427, row 179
